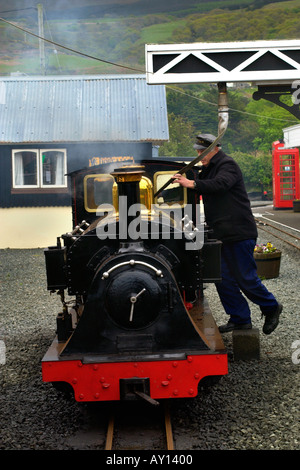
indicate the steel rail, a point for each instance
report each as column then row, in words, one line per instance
column 167, row 429
column 280, row 230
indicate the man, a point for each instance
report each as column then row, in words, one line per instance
column 228, row 212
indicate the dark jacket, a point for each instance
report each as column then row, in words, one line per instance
column 226, row 203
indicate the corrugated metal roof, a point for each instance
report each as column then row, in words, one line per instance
column 89, row 108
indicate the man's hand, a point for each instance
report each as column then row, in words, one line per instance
column 186, row 183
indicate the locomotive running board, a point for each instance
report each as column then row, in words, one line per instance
column 205, row 324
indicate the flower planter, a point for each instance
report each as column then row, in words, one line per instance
column 296, row 205
column 268, row 264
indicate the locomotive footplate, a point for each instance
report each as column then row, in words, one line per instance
column 157, row 376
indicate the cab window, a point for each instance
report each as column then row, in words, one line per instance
column 98, row 189
column 173, row 193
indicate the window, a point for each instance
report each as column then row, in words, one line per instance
column 98, row 189
column 39, row 168
column 173, row 193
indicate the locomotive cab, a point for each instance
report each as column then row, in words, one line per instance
column 138, row 312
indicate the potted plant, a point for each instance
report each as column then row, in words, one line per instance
column 267, row 259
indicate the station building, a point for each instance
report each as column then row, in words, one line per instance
column 54, row 125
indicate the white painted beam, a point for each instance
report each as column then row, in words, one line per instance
column 256, row 62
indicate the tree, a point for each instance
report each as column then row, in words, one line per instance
column 271, row 119
column 256, row 170
column 181, row 138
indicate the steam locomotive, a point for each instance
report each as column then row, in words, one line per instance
column 134, row 321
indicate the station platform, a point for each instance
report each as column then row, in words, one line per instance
column 265, row 210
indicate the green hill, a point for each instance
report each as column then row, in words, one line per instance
column 117, row 31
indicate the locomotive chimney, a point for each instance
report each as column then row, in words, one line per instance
column 128, row 178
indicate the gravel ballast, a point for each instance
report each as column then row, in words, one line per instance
column 254, row 407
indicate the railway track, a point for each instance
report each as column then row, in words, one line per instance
column 277, row 228
column 141, row 430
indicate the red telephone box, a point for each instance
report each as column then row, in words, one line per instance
column 286, row 186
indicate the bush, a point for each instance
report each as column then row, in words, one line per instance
column 256, row 169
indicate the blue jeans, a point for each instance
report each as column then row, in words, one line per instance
column 239, row 276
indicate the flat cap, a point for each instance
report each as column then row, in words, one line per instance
column 203, row 141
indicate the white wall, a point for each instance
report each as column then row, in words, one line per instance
column 33, row 227
column 291, row 136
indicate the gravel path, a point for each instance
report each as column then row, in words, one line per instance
column 255, row 407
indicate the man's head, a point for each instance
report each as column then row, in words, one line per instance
column 203, row 141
